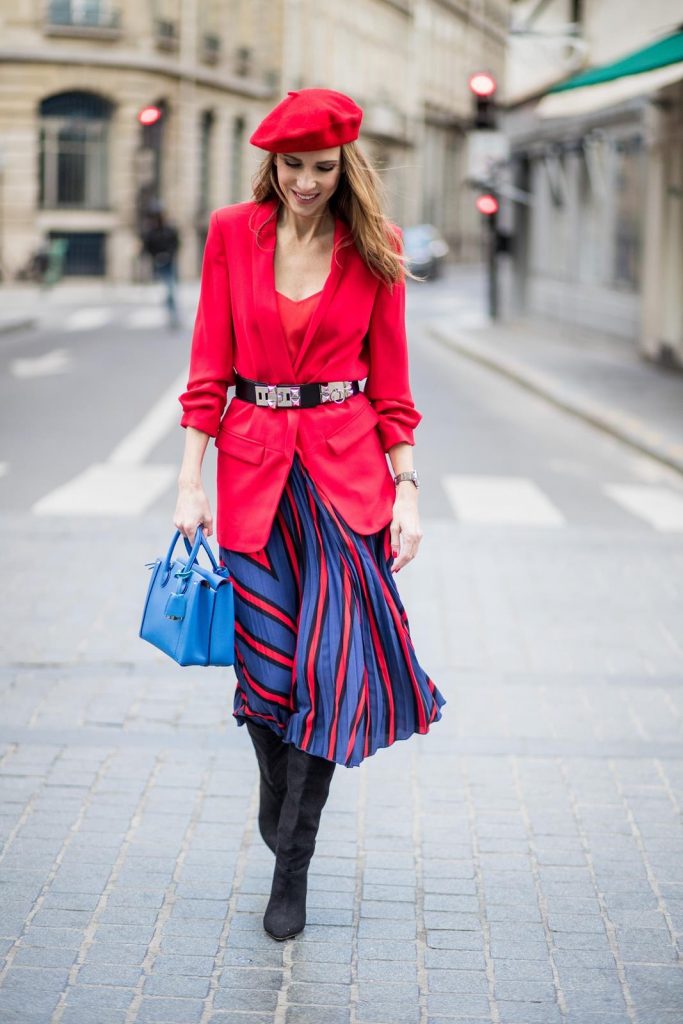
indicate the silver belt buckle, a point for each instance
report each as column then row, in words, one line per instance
column 278, row 396
column 335, row 391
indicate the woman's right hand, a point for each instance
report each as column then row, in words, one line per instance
column 191, row 509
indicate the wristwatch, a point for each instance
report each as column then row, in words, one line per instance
column 410, row 474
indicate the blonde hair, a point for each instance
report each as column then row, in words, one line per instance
column 359, row 200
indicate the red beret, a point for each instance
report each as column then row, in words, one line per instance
column 309, row 119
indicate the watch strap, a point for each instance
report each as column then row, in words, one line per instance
column 410, row 474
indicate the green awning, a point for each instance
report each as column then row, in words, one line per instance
column 657, row 55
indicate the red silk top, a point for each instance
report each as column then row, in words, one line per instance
column 295, row 315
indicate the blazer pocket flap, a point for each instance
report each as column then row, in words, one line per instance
column 241, row 447
column 353, row 430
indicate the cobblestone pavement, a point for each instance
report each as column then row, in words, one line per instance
column 522, row 864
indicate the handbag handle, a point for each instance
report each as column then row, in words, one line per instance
column 192, row 550
column 195, row 549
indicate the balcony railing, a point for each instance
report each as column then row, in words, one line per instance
column 82, row 18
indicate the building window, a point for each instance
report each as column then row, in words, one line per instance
column 592, row 213
column 92, row 18
column 557, row 217
column 628, row 203
column 73, row 145
column 85, row 252
column 166, row 14
column 236, row 157
column 205, row 160
column 576, row 16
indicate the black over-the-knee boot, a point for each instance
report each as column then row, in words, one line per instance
column 308, row 786
column 271, row 754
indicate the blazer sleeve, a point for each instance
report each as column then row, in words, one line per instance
column 211, row 355
column 388, row 384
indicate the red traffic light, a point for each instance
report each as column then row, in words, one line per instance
column 482, row 84
column 487, row 204
column 149, row 115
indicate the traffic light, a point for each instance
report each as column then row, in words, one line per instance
column 483, row 88
column 487, row 149
column 487, row 204
column 150, row 115
column 152, row 118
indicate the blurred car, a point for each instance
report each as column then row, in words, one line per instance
column 425, row 249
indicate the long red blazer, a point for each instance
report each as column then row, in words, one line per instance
column 356, row 331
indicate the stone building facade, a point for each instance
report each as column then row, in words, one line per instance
column 76, row 163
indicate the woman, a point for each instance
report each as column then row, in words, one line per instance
column 302, row 296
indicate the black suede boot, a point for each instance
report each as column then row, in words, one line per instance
column 271, row 754
column 308, row 786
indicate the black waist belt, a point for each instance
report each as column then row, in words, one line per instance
column 294, row 396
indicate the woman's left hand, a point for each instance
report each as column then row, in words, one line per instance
column 405, row 526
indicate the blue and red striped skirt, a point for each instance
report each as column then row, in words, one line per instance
column 322, row 643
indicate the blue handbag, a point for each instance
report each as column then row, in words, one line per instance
column 189, row 611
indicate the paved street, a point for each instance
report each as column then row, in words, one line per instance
column 521, row 864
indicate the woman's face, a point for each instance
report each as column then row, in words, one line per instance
column 308, row 179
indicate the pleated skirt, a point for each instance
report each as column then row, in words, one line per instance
column 323, row 649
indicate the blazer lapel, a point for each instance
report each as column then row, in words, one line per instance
column 265, row 299
column 331, row 284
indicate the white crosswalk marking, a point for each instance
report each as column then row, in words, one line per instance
column 108, row 489
column 122, row 486
column 500, row 499
column 662, row 507
column 56, row 361
column 164, row 414
column 471, row 319
column 87, row 319
column 146, row 317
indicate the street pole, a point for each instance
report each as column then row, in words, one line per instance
column 493, row 265
column 487, row 147
column 488, row 206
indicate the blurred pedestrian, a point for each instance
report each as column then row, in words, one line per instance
column 161, row 241
column 302, row 295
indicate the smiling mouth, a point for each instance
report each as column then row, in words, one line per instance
column 305, row 199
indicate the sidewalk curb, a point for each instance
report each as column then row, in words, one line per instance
column 630, row 430
column 19, row 324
